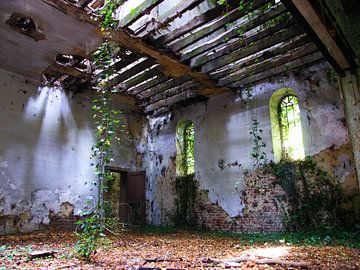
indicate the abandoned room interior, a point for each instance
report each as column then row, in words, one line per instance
column 207, row 100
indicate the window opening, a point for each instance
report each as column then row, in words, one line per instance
column 290, row 128
column 185, row 160
column 189, row 148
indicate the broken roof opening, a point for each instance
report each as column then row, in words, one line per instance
column 179, row 50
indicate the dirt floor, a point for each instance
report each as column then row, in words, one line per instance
column 184, row 250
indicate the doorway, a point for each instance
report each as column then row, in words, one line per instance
column 125, row 197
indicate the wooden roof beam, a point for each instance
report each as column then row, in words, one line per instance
column 138, row 89
column 234, row 32
column 304, row 10
column 269, row 63
column 171, row 100
column 171, row 92
column 172, row 67
column 164, row 86
column 139, row 11
column 210, row 28
column 290, row 66
column 164, row 19
column 248, row 50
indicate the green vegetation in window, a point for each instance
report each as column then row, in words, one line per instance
column 290, row 128
column 189, row 161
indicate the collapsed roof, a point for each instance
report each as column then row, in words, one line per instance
column 175, row 52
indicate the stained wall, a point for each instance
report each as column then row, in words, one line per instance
column 223, row 143
column 45, row 148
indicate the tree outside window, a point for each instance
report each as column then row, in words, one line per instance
column 185, row 148
column 290, row 128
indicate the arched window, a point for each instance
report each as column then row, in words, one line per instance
column 290, row 128
column 185, row 148
column 286, row 126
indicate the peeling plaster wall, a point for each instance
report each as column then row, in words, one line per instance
column 223, row 143
column 45, row 148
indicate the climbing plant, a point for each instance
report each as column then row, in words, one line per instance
column 186, row 190
column 316, row 200
column 258, row 155
column 107, row 123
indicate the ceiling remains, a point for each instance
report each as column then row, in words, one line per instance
column 180, row 51
column 62, row 34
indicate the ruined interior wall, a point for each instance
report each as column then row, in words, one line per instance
column 45, row 148
column 223, row 143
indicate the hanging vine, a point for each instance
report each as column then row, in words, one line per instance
column 107, row 123
column 258, row 155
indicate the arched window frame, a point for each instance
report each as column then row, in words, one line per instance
column 274, row 105
column 185, row 138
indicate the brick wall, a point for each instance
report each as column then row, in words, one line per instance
column 63, row 223
column 263, row 212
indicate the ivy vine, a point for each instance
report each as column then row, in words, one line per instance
column 186, row 201
column 107, row 124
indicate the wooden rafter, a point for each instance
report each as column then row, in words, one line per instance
column 138, row 67
column 143, row 76
column 164, row 86
column 292, row 65
column 138, row 89
column 269, row 63
column 263, row 45
column 294, row 43
column 257, row 46
column 171, row 66
column 234, row 32
column 152, row 27
column 210, row 28
column 170, row 100
column 171, row 92
column 142, row 9
column 305, row 13
column 194, row 23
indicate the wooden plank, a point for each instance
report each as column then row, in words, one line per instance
column 140, row 77
column 179, row 104
column 266, row 54
column 170, row 100
column 257, row 46
column 234, row 32
column 316, row 23
column 164, row 19
column 138, row 12
column 117, row 66
column 172, row 67
column 269, row 63
column 207, row 30
column 194, row 23
column 131, row 72
column 164, row 86
column 124, row 62
column 239, row 43
column 41, row 254
column 290, row 66
column 127, row 100
column 66, row 70
column 148, row 84
column 171, row 92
